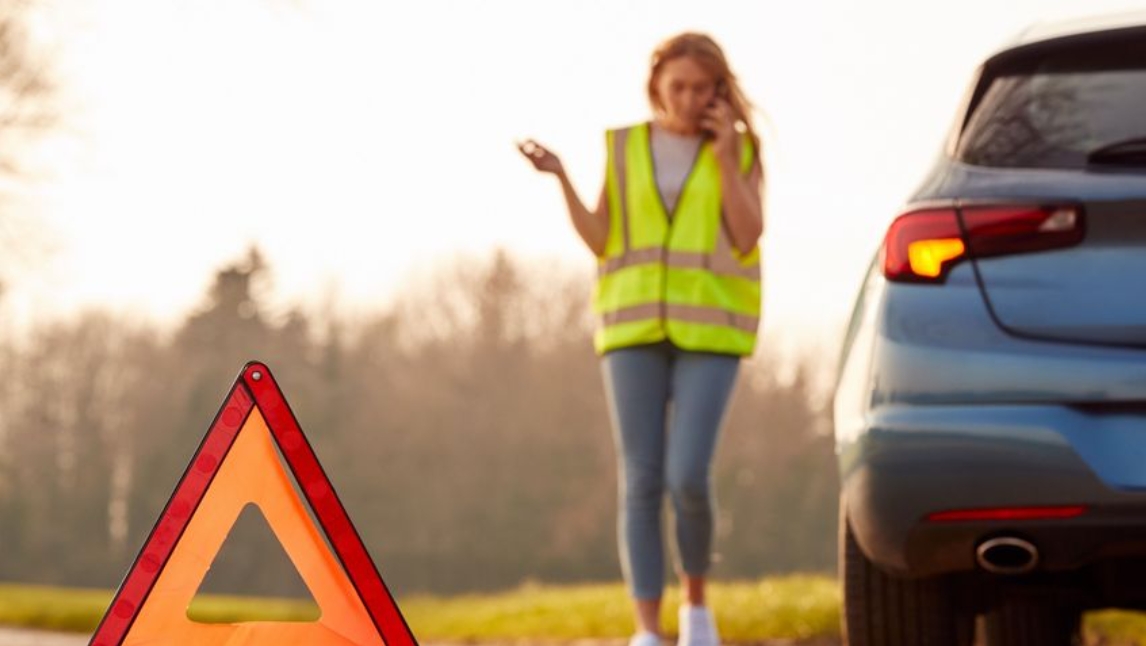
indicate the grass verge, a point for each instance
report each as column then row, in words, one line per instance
column 792, row 608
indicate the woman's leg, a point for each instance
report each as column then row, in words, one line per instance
column 701, row 388
column 637, row 385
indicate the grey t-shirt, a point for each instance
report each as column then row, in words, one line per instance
column 673, row 158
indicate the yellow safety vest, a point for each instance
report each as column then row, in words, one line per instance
column 675, row 278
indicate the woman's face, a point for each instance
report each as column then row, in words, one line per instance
column 684, row 89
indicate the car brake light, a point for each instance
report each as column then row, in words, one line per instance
column 1008, row 513
column 922, row 246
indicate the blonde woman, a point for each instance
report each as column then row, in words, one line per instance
column 675, row 231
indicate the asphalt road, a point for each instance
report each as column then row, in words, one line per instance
column 21, row 637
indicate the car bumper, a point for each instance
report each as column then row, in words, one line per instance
column 914, row 461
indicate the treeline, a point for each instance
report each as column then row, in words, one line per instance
column 464, row 428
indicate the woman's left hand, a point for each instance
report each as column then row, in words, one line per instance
column 719, row 120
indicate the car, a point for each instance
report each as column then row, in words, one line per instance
column 990, row 403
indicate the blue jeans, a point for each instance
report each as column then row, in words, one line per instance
column 666, row 407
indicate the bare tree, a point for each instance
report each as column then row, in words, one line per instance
column 473, row 456
column 26, row 86
column 27, row 111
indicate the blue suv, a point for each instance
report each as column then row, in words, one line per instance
column 990, row 408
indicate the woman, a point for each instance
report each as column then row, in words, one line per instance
column 675, row 232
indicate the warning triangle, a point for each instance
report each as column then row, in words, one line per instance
column 239, row 463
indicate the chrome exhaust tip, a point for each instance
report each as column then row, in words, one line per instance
column 1007, row 555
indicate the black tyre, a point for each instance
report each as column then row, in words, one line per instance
column 1029, row 620
column 884, row 610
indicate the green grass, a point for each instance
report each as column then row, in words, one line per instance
column 67, row 609
column 787, row 607
column 80, row 610
column 794, row 607
column 782, row 608
column 1115, row 628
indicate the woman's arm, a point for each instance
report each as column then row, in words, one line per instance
column 741, row 194
column 592, row 226
column 743, row 203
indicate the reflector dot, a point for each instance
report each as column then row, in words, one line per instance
column 292, row 440
column 124, row 608
column 232, row 417
column 206, row 463
column 317, row 489
column 180, row 508
column 149, row 563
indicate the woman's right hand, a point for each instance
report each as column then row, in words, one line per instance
column 541, row 158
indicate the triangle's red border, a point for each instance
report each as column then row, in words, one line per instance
column 255, row 387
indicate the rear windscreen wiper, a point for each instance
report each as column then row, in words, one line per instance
column 1127, row 152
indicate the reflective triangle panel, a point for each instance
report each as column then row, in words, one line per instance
column 244, row 459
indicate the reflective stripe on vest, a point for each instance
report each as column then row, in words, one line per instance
column 675, row 278
column 688, row 313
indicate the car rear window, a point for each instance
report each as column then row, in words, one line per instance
column 1053, row 111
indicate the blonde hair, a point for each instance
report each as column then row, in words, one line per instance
column 704, row 50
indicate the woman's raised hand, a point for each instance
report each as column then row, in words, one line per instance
column 719, row 120
column 541, row 158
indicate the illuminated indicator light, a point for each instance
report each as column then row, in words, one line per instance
column 928, row 256
column 920, row 226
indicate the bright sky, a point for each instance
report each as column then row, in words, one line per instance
column 361, row 143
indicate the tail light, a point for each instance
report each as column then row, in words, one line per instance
column 922, row 246
column 1008, row 513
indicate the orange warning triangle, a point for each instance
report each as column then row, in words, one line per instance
column 238, row 463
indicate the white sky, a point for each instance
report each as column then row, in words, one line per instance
column 359, row 143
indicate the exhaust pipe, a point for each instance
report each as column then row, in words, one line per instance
column 1007, row 555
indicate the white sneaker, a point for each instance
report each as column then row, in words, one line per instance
column 697, row 627
column 645, row 638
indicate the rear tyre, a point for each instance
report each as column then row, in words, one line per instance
column 1030, row 620
column 884, row 610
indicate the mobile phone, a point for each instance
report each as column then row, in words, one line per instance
column 720, row 93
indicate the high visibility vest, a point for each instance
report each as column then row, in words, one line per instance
column 677, row 276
